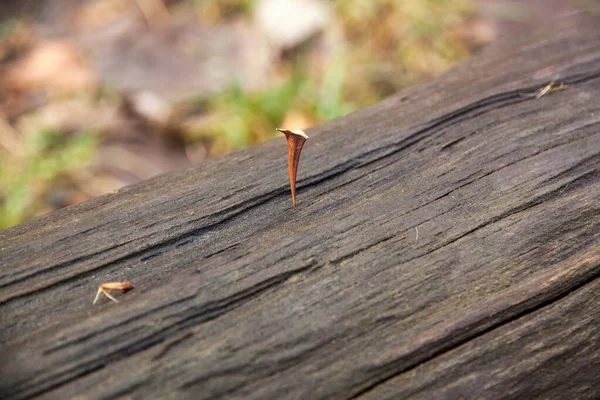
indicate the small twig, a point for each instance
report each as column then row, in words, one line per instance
column 548, row 89
column 544, row 90
column 417, row 235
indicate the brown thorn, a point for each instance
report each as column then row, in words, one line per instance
column 295, row 141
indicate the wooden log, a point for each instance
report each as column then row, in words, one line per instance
column 446, row 243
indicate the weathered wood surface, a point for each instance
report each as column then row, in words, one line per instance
column 237, row 295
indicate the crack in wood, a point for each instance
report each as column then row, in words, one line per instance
column 483, row 327
column 228, row 214
column 197, row 315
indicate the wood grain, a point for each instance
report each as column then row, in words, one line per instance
column 446, row 243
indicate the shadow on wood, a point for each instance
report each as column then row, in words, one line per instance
column 446, row 243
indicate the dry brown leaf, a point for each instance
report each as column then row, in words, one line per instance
column 53, row 65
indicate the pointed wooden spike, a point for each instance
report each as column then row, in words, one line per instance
column 295, row 141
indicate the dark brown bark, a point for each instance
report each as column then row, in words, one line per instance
column 447, row 244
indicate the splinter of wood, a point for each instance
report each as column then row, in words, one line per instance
column 295, row 141
column 112, row 286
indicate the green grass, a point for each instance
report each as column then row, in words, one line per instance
column 382, row 47
column 26, row 176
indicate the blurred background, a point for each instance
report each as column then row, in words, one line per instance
column 97, row 94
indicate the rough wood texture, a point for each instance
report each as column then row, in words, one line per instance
column 446, row 243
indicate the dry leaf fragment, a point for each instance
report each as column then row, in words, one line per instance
column 112, row 286
column 52, row 65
